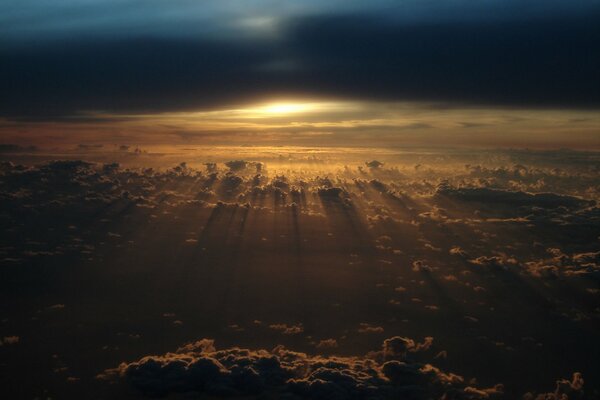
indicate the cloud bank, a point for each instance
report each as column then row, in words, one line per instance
column 199, row 367
column 512, row 55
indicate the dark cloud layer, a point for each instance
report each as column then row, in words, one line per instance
column 548, row 60
column 511, row 198
column 499, row 261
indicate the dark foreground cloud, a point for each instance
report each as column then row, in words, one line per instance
column 385, row 374
column 544, row 60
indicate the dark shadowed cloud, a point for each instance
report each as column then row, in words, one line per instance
column 199, row 367
column 501, row 54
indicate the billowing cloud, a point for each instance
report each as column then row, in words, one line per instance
column 200, row 367
column 565, row 389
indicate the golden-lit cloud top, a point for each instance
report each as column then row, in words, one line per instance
column 321, row 122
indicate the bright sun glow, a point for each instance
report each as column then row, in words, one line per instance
column 286, row 108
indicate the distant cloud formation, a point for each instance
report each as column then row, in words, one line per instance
column 512, row 199
column 314, row 250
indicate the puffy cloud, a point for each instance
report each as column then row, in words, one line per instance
column 374, row 164
column 561, row 264
column 236, row 165
column 288, row 329
column 457, row 251
column 200, row 367
column 327, row 344
column 399, row 347
column 565, row 390
column 494, row 261
column 421, row 265
column 368, row 328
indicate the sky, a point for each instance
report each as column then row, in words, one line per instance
column 487, row 73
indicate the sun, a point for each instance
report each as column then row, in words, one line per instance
column 285, row 108
column 282, row 109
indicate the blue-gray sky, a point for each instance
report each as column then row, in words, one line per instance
column 23, row 21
